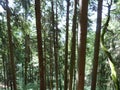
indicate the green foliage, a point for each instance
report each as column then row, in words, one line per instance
column 23, row 23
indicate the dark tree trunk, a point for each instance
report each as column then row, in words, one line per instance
column 45, row 66
column 82, row 46
column 66, row 47
column 27, row 56
column 39, row 41
column 51, row 63
column 55, row 44
column 56, row 48
column 13, row 72
column 97, row 45
column 73, row 46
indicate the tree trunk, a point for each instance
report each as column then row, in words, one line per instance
column 13, row 72
column 56, row 48
column 39, row 41
column 82, row 46
column 51, row 63
column 97, row 45
column 73, row 46
column 27, row 56
column 55, row 45
column 66, row 47
column 45, row 66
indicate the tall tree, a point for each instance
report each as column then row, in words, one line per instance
column 111, row 61
column 39, row 41
column 82, row 46
column 97, row 45
column 55, row 43
column 27, row 56
column 51, row 63
column 66, row 47
column 12, row 63
column 56, row 46
column 73, row 46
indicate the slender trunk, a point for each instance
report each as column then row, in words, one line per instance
column 51, row 63
column 97, row 45
column 66, row 47
column 27, row 56
column 55, row 48
column 13, row 72
column 73, row 47
column 39, row 41
column 45, row 66
column 4, row 60
column 4, row 69
column 82, row 46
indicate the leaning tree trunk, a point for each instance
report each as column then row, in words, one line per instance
column 39, row 41
column 13, row 72
column 97, row 45
column 82, row 46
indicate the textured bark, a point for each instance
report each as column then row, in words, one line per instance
column 73, row 46
column 82, row 46
column 66, row 47
column 12, row 63
column 97, row 45
column 39, row 41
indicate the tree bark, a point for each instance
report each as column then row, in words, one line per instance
column 51, row 63
column 55, row 44
column 27, row 56
column 56, row 47
column 12, row 63
column 39, row 41
column 73, row 46
column 66, row 47
column 82, row 46
column 45, row 66
column 97, row 45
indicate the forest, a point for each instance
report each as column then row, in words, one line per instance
column 59, row 44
